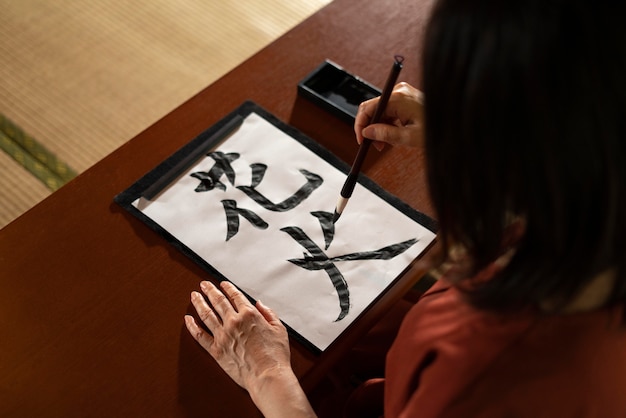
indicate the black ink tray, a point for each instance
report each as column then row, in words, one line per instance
column 336, row 90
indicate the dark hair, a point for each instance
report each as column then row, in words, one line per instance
column 525, row 115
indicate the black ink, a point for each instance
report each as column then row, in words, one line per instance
column 232, row 218
column 318, row 260
column 328, row 226
column 385, row 253
column 211, row 179
column 258, row 172
column 327, row 265
column 312, row 183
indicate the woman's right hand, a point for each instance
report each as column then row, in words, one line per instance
column 401, row 124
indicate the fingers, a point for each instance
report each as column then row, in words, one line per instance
column 238, row 300
column 221, row 303
column 367, row 108
column 202, row 337
column 267, row 313
column 213, row 312
column 218, row 300
column 391, row 134
column 401, row 123
column 364, row 115
column 222, row 307
column 205, row 312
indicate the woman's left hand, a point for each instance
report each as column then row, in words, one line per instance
column 248, row 342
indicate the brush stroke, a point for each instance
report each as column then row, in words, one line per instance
column 313, row 181
column 258, row 172
column 232, row 218
column 337, row 279
column 210, row 180
column 328, row 226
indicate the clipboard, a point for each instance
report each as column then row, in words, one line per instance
column 272, row 174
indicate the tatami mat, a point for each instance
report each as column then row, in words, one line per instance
column 83, row 77
column 19, row 190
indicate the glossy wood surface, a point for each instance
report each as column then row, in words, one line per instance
column 92, row 301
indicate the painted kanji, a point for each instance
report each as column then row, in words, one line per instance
column 316, row 259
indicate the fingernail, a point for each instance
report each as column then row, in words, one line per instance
column 369, row 132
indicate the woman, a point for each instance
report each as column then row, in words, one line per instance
column 525, row 136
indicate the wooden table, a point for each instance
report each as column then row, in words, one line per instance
column 92, row 301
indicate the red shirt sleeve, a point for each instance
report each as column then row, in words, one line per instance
column 452, row 360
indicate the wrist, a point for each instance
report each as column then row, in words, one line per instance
column 277, row 393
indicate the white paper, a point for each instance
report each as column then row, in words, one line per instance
column 257, row 260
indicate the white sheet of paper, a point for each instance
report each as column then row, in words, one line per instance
column 257, row 260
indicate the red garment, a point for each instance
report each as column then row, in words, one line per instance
column 452, row 360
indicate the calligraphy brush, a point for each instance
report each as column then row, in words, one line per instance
column 353, row 175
